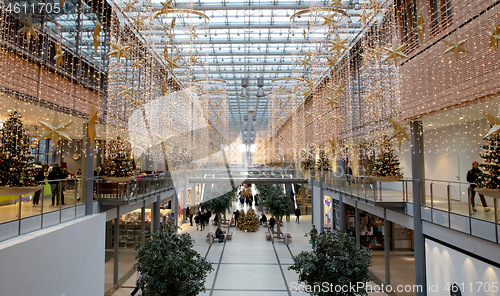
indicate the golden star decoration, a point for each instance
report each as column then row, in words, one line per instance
column 455, row 46
column 376, row 52
column 309, row 116
column 167, row 5
column 306, row 152
column 126, row 91
column 138, row 22
column 395, row 52
column 304, row 34
column 399, row 131
column 136, row 101
column 29, row 28
column 130, row 5
column 91, row 123
column 96, row 36
column 330, row 21
column 494, row 35
column 170, row 59
column 119, row 50
column 281, row 120
column 337, row 89
column 421, row 27
column 306, row 61
column 375, row 7
column 495, row 125
column 163, row 140
column 331, row 61
column 332, row 101
column 171, row 106
column 333, row 145
column 335, row 118
column 193, row 58
column 59, row 57
column 171, row 35
column 136, row 64
column 365, row 17
column 336, row 3
column 338, row 44
column 55, row 131
column 309, row 54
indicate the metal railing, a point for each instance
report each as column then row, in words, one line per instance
column 58, row 201
column 126, row 191
column 445, row 203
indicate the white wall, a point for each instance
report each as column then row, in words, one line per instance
column 445, row 265
column 317, row 205
column 63, row 260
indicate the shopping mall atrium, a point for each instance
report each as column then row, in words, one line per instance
column 239, row 147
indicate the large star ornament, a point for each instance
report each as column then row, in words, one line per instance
column 97, row 36
column 55, row 130
column 421, row 27
column 119, row 50
column 399, row 131
column 395, row 52
column 494, row 35
column 455, row 46
column 338, row 44
column 91, row 129
column 29, row 28
column 495, row 125
column 59, row 57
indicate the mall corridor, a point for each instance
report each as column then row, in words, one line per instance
column 251, row 265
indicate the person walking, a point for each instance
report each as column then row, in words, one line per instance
column 236, row 216
column 263, row 219
column 197, row 220
column 297, row 215
column 137, row 284
column 288, row 216
column 313, row 233
column 39, row 177
column 472, row 177
column 272, row 222
column 191, row 218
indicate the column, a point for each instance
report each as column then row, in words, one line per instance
column 143, row 222
column 322, row 201
column 418, row 173
column 356, row 224
column 387, row 247
column 155, row 215
column 175, row 207
column 87, row 181
column 117, row 248
column 342, row 213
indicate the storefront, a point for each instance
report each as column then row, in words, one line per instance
column 328, row 211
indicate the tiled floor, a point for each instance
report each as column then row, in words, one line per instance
column 251, row 265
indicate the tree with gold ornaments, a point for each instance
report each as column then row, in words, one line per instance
column 16, row 167
column 241, row 219
column 386, row 163
column 118, row 161
column 323, row 163
column 491, row 167
column 250, row 222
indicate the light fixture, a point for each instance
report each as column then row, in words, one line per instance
column 244, row 93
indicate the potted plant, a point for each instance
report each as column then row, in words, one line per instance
column 335, row 260
column 169, row 265
column 276, row 202
column 220, row 201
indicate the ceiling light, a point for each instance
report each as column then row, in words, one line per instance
column 260, row 93
column 244, row 93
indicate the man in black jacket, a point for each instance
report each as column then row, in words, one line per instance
column 472, row 177
column 56, row 187
column 297, row 215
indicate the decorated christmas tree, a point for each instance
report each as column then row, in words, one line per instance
column 386, row 163
column 118, row 161
column 323, row 163
column 16, row 168
column 250, row 222
column 241, row 219
column 307, row 160
column 491, row 168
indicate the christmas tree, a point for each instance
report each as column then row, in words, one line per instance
column 16, row 168
column 307, row 160
column 386, row 163
column 118, row 162
column 323, row 163
column 491, row 176
column 250, row 222
column 241, row 219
